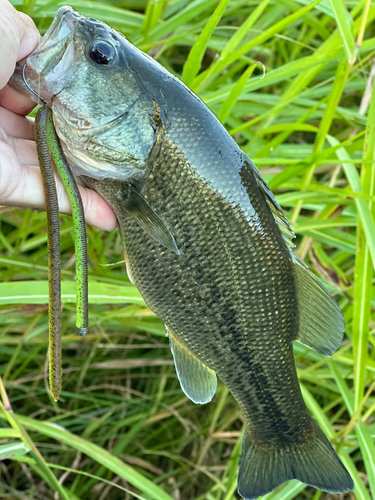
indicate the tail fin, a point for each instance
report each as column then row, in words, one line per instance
column 264, row 468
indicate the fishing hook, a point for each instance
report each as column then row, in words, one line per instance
column 28, row 86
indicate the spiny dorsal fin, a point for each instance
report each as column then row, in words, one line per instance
column 277, row 212
column 321, row 323
column 137, row 207
column 197, row 381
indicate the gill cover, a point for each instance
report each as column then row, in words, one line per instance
column 103, row 133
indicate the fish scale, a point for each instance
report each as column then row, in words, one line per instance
column 213, row 296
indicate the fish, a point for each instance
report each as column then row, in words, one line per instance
column 205, row 241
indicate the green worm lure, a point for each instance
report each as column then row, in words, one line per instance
column 48, row 145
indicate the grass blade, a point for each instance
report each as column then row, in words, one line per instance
column 100, row 455
column 360, row 490
column 232, row 43
column 194, row 60
column 364, row 212
column 50, row 478
column 363, row 265
column 36, row 292
column 344, row 25
column 365, row 440
column 192, row 10
column 230, row 101
column 338, row 86
column 254, row 42
column 12, row 450
column 152, row 15
column 289, row 491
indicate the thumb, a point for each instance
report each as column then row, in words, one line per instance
column 18, row 37
column 29, row 36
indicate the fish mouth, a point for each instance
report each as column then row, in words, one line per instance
column 55, row 41
column 53, row 58
column 47, row 56
column 61, row 28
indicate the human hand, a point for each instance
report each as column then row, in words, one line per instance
column 20, row 180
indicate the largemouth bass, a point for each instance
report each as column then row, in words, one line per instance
column 205, row 241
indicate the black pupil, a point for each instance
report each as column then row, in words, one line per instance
column 101, row 53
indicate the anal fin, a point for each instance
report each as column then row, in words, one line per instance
column 197, row 380
column 321, row 323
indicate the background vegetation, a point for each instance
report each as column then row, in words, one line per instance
column 123, row 428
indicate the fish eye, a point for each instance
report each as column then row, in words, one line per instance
column 102, row 53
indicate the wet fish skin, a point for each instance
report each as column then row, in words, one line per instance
column 215, row 284
column 201, row 287
column 206, row 245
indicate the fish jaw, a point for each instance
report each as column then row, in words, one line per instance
column 47, row 66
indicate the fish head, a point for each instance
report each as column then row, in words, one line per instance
column 107, row 121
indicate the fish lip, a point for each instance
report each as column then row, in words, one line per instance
column 62, row 28
column 42, row 63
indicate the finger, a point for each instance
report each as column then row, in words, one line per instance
column 19, row 37
column 25, row 151
column 22, row 186
column 9, row 40
column 97, row 211
column 13, row 100
column 30, row 36
column 16, row 125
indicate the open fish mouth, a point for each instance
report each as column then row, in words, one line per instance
column 62, row 27
column 47, row 66
column 55, row 49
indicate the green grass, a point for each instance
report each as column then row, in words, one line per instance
column 123, row 427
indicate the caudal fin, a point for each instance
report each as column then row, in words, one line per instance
column 264, row 468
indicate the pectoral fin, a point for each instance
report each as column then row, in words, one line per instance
column 128, row 271
column 321, row 323
column 137, row 207
column 197, row 380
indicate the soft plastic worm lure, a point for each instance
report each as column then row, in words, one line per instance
column 48, row 145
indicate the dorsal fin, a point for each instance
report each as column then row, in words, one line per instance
column 321, row 323
column 277, row 211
